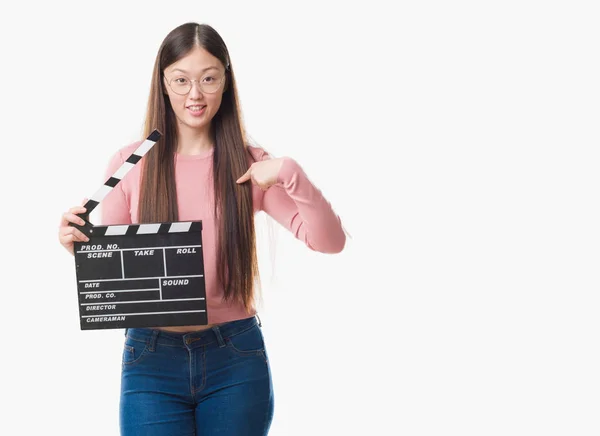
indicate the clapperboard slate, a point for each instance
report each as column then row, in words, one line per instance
column 142, row 275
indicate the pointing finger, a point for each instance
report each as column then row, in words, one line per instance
column 245, row 177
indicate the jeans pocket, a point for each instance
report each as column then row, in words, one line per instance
column 133, row 351
column 247, row 343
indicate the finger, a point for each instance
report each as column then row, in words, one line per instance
column 69, row 239
column 73, row 234
column 245, row 177
column 261, row 184
column 63, row 232
column 71, row 217
column 78, row 209
column 73, row 210
column 80, row 236
column 65, row 239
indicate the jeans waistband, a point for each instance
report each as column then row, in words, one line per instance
column 214, row 335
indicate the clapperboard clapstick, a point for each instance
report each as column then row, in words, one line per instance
column 139, row 275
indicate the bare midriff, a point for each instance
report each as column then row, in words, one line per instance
column 186, row 328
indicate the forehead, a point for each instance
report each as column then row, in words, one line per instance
column 197, row 61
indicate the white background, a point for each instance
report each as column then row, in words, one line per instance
column 458, row 141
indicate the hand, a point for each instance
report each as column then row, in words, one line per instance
column 67, row 234
column 264, row 173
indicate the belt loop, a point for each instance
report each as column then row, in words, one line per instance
column 259, row 323
column 152, row 340
column 219, row 336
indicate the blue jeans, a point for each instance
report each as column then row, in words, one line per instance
column 212, row 382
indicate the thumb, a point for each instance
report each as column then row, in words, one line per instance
column 245, row 177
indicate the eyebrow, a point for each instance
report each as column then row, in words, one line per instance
column 184, row 71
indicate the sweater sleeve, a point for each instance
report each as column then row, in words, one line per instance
column 298, row 205
column 115, row 207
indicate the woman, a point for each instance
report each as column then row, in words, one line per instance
column 215, row 378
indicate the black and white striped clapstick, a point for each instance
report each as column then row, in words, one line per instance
column 130, row 162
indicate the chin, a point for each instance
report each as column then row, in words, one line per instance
column 194, row 124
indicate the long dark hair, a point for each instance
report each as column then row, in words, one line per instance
column 237, row 266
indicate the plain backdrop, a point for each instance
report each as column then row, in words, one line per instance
column 458, row 141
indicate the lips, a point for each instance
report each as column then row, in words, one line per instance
column 197, row 110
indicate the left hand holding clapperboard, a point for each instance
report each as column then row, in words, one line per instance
column 263, row 173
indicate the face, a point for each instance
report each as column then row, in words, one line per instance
column 195, row 109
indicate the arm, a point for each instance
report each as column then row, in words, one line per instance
column 299, row 206
column 115, row 207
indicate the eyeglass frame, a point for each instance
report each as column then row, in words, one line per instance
column 195, row 80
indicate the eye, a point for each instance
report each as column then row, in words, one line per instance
column 211, row 79
column 181, row 80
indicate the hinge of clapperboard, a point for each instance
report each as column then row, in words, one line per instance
column 130, row 162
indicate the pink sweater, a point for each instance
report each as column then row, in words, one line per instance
column 294, row 202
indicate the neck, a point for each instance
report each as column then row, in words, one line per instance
column 193, row 141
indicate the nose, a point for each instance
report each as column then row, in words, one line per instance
column 195, row 91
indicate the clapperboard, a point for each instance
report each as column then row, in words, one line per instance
column 142, row 275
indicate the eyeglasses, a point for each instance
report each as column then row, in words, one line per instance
column 182, row 85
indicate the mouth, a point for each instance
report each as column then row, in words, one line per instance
column 196, row 110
